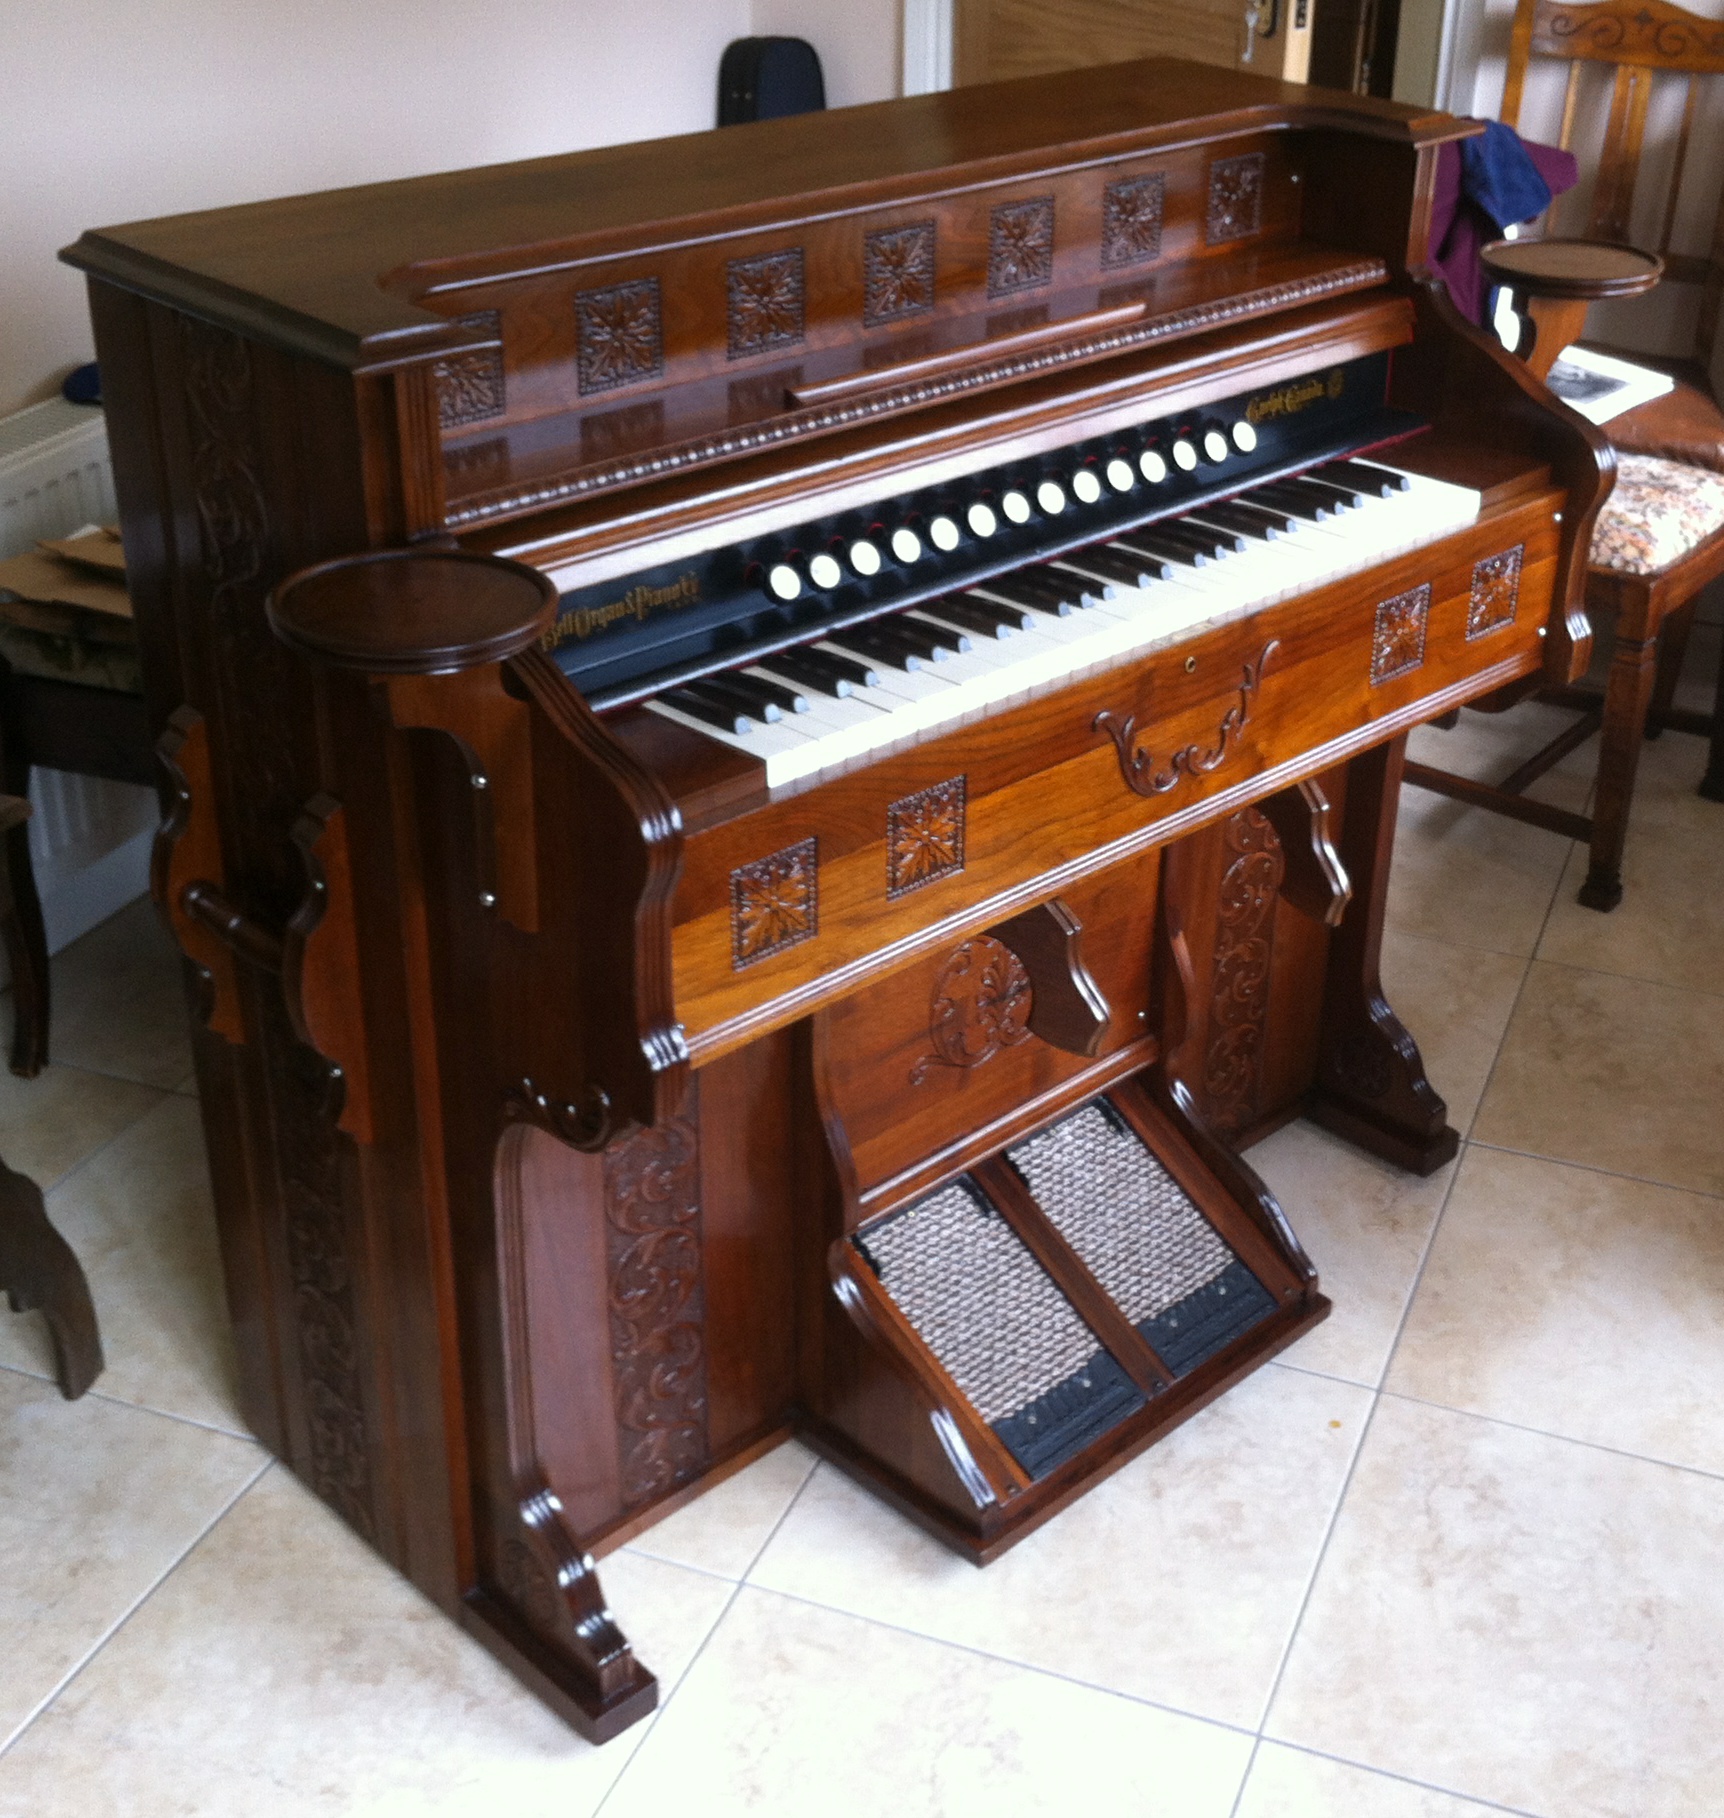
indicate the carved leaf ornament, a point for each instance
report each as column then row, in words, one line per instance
column 981, row 1005
column 1144, row 776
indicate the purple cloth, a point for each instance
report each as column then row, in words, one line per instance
column 1459, row 227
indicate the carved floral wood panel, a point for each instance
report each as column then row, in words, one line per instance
column 925, row 837
column 657, row 1309
column 1020, row 246
column 471, row 387
column 619, row 334
column 1131, row 220
column 765, row 303
column 1235, row 198
column 1398, row 638
column 774, row 904
column 1496, row 592
column 897, row 273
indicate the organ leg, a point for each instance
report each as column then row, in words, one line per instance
column 1371, row 1086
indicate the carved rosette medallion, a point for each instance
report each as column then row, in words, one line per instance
column 1020, row 246
column 1244, row 944
column 1496, row 592
column 657, row 1309
column 470, row 383
column 766, row 303
column 1398, row 639
column 619, row 335
column 1131, row 221
column 897, row 273
column 925, row 837
column 1235, row 198
column 1137, row 764
column 981, row 1005
column 774, row 904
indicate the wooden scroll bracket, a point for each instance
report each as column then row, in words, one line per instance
column 187, row 877
column 1314, row 880
column 1067, row 1009
column 988, row 1472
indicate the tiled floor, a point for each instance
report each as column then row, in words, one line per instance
column 1457, row 1553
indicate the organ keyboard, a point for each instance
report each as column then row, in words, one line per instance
column 768, row 783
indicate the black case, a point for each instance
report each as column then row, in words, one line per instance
column 766, row 78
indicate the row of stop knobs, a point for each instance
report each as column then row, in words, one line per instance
column 864, row 556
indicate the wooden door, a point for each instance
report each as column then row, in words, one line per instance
column 997, row 39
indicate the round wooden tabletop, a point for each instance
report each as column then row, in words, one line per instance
column 1572, row 268
column 413, row 611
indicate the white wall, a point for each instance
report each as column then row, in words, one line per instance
column 120, row 109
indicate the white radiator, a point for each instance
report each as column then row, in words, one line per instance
column 89, row 840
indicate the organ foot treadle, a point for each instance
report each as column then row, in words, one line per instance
column 1067, row 1300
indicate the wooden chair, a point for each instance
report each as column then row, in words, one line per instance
column 37, row 1267
column 1647, row 567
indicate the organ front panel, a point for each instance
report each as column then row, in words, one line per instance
column 782, row 744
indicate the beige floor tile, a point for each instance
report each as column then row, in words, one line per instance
column 1614, row 1073
column 1288, row 1783
column 139, row 1217
column 725, row 1529
column 1365, row 1224
column 1177, row 1580
column 118, row 1005
column 1669, row 926
column 1456, row 1003
column 96, row 1503
column 51, row 1123
column 1578, row 1303
column 1464, row 875
column 1520, row 1619
column 792, row 1710
column 284, row 1671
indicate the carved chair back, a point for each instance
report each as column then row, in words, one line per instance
column 1643, row 41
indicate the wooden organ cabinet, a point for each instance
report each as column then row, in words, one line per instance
column 780, row 742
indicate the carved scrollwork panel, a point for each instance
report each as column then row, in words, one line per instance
column 657, row 1308
column 981, row 1005
column 1244, row 948
column 1137, row 764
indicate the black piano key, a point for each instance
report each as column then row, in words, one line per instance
column 726, row 691
column 973, row 615
column 1092, row 588
column 1014, row 618
column 1304, row 492
column 1011, row 590
column 845, row 668
column 1121, row 565
column 941, row 642
column 1279, row 522
column 818, row 670
column 1350, row 496
column 1169, row 549
column 697, row 707
column 1240, row 519
column 879, row 642
column 1302, row 505
column 1367, row 476
column 778, row 694
column 1210, row 538
column 1039, row 590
